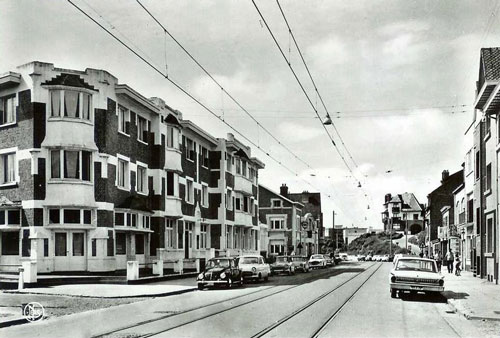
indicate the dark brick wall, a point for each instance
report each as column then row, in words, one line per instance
column 38, row 216
column 215, row 233
column 214, row 158
column 39, row 120
column 214, row 201
column 157, row 238
column 105, row 218
column 39, row 181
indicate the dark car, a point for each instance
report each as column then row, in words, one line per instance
column 220, row 271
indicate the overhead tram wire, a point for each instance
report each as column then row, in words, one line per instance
column 155, row 68
column 220, row 86
column 314, row 83
column 302, row 87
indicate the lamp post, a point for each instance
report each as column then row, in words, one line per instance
column 406, row 231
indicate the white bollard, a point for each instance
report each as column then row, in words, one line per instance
column 20, row 284
column 158, row 267
column 30, row 272
column 179, row 266
column 132, row 270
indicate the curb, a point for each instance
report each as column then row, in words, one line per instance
column 467, row 314
column 14, row 321
column 162, row 294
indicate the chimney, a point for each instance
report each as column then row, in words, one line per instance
column 284, row 190
column 388, row 198
column 445, row 175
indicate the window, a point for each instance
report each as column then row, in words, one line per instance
column 142, row 129
column 245, row 204
column 204, row 195
column 488, row 177
column 146, row 221
column 244, row 168
column 139, row 244
column 277, row 249
column 189, row 191
column 94, row 247
column 123, row 120
column 205, row 160
column 119, row 218
column 251, row 173
column 78, row 244
column 470, row 209
column 169, row 233
column 7, row 110
column 70, row 103
column 190, row 149
column 26, row 244
column 415, row 217
column 487, row 124
column 171, row 183
column 87, row 216
column 277, row 224
column 74, row 164
column 121, row 243
column 229, row 166
column 477, row 166
column 142, row 180
column 61, row 244
column 7, row 168
column 276, row 203
column 45, row 247
column 172, row 137
column 238, row 166
column 229, row 200
column 203, row 236
column 71, row 216
column 237, row 203
column 468, row 157
column 123, row 174
column 489, row 235
column 54, row 216
column 10, row 243
column 110, row 244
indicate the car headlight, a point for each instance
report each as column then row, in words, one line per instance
column 254, row 269
column 393, row 279
column 200, row 276
column 223, row 275
column 441, row 282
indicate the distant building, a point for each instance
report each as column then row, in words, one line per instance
column 350, row 234
column 335, row 236
column 403, row 213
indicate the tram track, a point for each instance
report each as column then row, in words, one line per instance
column 170, row 315
column 293, row 314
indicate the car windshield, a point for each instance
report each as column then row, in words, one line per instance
column 317, row 256
column 415, row 265
column 249, row 260
column 218, row 263
column 281, row 259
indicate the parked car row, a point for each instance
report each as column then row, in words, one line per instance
column 230, row 271
column 376, row 258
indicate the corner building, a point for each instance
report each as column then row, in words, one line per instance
column 93, row 174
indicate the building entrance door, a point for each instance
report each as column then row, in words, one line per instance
column 70, row 253
column 188, row 242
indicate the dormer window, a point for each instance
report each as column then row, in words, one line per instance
column 70, row 104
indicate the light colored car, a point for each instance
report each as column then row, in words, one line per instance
column 344, row 256
column 396, row 257
column 300, row 263
column 283, row 264
column 415, row 274
column 385, row 258
column 254, row 267
column 317, row 261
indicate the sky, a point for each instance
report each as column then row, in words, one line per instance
column 397, row 77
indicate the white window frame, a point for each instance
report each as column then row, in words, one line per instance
column 170, row 233
column 80, row 165
column 189, row 191
column 140, row 133
column 172, row 141
column 190, row 146
column 274, row 200
column 175, row 183
column 6, row 102
column 4, row 154
column 204, row 195
column 229, row 164
column 126, row 174
column 229, row 199
column 275, row 220
column 142, row 166
column 81, row 92
column 123, row 118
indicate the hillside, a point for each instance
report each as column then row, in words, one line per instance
column 376, row 244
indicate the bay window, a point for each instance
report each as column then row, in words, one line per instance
column 172, row 137
column 189, row 191
column 169, row 232
column 69, row 216
column 71, row 104
column 172, row 179
column 7, row 110
column 73, row 164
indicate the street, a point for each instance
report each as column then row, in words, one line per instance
column 349, row 300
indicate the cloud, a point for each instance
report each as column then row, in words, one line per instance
column 296, row 133
column 329, row 51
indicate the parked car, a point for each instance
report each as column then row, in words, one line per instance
column 317, row 261
column 385, row 258
column 253, row 267
column 378, row 258
column 283, row 264
column 300, row 263
column 368, row 257
column 336, row 258
column 220, row 271
column 344, row 256
column 395, row 259
column 415, row 274
column 361, row 258
column 329, row 260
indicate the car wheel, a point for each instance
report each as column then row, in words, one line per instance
column 393, row 293
column 266, row 278
column 200, row 286
column 259, row 278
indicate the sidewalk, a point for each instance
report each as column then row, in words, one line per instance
column 472, row 297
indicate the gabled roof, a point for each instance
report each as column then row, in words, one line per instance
column 281, row 196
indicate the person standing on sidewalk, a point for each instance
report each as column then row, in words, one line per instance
column 458, row 268
column 437, row 258
column 449, row 261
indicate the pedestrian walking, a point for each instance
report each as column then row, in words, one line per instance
column 438, row 259
column 449, row 261
column 458, row 268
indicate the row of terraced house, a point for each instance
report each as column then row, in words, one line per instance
column 93, row 174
